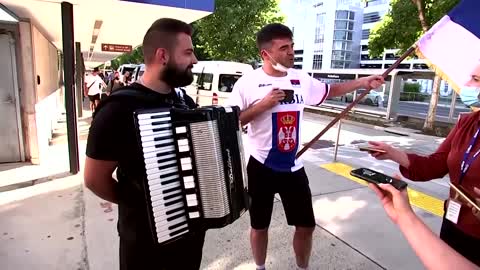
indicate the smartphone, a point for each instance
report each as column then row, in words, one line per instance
column 375, row 177
column 288, row 95
column 469, row 198
column 371, row 149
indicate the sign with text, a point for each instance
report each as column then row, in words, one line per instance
column 116, row 48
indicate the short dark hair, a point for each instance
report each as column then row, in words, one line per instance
column 95, row 69
column 163, row 34
column 270, row 32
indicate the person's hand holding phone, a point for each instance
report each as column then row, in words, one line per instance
column 395, row 202
column 389, row 152
column 272, row 99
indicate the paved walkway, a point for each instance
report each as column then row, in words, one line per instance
column 62, row 225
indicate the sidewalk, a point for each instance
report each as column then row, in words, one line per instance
column 61, row 225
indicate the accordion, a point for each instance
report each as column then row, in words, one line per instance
column 195, row 176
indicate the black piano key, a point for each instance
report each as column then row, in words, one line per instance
column 173, row 227
column 167, row 159
column 178, row 231
column 161, row 129
column 165, row 153
column 176, row 216
column 168, row 197
column 169, row 212
column 170, row 190
column 167, row 166
column 159, row 116
column 173, row 202
column 170, row 181
column 160, row 122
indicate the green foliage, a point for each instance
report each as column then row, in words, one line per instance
column 401, row 27
column 411, row 88
column 229, row 33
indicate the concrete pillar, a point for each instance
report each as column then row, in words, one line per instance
column 394, row 97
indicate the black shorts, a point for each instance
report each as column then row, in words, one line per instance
column 185, row 254
column 293, row 188
column 94, row 97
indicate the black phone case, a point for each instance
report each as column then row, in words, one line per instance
column 375, row 177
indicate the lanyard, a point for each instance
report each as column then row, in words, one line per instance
column 468, row 161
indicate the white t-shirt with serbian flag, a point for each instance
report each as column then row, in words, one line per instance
column 274, row 135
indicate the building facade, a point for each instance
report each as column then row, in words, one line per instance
column 327, row 33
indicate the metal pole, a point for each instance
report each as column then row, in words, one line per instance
column 452, row 105
column 78, row 78
column 339, row 128
column 68, row 69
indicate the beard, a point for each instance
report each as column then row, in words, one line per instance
column 175, row 76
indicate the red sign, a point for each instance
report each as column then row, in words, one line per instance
column 116, row 48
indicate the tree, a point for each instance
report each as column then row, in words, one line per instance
column 229, row 33
column 400, row 30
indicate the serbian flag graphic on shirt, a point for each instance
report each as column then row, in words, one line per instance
column 285, row 136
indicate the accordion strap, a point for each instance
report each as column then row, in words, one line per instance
column 148, row 98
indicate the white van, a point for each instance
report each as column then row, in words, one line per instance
column 213, row 81
column 138, row 72
column 124, row 68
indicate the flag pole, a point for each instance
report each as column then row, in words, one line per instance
column 355, row 102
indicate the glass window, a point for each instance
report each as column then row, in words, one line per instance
column 338, row 64
column 226, row 82
column 350, row 25
column 317, row 61
column 204, row 80
column 365, row 33
column 341, row 25
column 371, row 17
column 352, row 15
column 342, row 14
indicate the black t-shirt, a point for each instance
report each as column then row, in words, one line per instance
column 113, row 137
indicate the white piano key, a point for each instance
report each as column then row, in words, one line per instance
column 161, row 164
column 164, row 237
column 194, row 214
column 181, row 130
column 149, row 115
column 162, row 225
column 152, row 127
column 156, row 159
column 159, row 134
column 160, row 197
column 161, row 203
column 165, row 187
column 163, row 209
column 159, row 150
column 153, row 148
column 160, row 180
column 151, row 120
column 165, row 171
column 163, row 214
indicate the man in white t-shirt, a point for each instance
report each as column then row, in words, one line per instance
column 93, row 88
column 272, row 99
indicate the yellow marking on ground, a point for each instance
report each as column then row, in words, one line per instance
column 419, row 199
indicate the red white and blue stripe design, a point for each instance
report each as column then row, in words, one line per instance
column 452, row 46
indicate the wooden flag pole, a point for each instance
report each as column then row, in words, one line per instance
column 349, row 107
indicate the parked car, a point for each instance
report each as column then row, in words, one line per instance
column 373, row 98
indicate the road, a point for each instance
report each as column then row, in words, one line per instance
column 413, row 109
